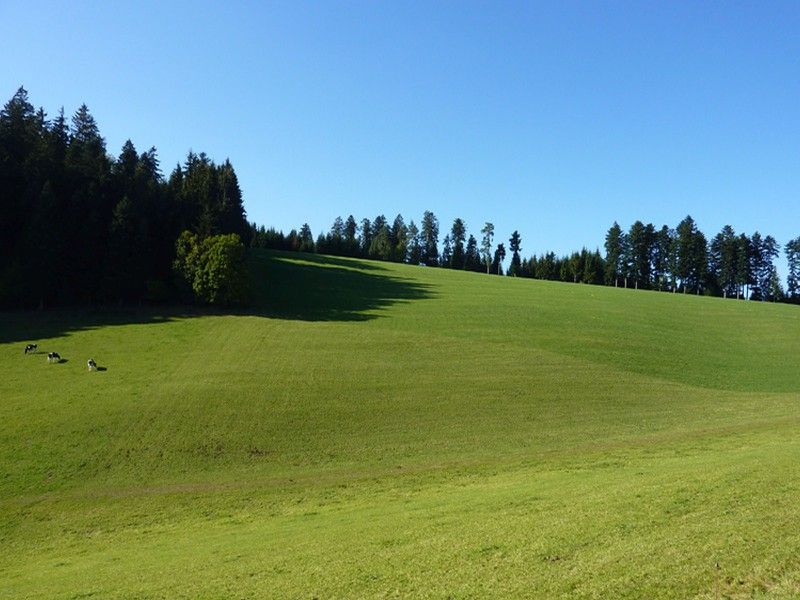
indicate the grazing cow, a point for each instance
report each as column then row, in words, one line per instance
column 53, row 357
column 31, row 348
column 91, row 364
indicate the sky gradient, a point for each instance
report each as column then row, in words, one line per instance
column 554, row 119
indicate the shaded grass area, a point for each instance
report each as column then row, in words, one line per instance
column 284, row 285
column 436, row 435
column 309, row 287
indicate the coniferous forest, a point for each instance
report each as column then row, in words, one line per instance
column 81, row 226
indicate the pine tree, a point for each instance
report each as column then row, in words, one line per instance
column 486, row 245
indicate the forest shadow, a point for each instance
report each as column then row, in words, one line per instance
column 285, row 285
column 311, row 287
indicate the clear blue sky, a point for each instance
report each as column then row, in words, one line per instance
column 552, row 118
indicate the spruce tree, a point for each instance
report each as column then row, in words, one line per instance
column 399, row 239
column 472, row 259
column 305, row 239
column 514, row 245
column 447, row 253
column 499, row 257
column 414, row 250
column 458, row 235
column 613, row 248
column 429, row 239
column 792, row 250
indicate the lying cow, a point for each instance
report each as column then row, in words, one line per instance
column 53, row 357
column 31, row 348
column 91, row 364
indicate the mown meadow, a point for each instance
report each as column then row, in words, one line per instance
column 373, row 430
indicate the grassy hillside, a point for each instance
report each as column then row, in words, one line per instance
column 377, row 430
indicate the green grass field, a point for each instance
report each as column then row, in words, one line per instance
column 382, row 431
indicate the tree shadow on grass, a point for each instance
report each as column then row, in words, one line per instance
column 310, row 287
column 285, row 285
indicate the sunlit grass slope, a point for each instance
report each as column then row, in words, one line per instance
column 371, row 430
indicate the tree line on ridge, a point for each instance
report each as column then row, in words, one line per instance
column 679, row 259
column 81, row 226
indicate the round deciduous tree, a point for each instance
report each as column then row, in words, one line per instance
column 214, row 267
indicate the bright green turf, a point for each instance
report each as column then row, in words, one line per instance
column 377, row 430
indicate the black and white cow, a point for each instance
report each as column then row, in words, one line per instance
column 91, row 364
column 53, row 357
column 31, row 348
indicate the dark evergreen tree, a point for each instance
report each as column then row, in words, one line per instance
column 429, row 235
column 764, row 251
column 399, row 239
column 232, row 216
column 472, row 259
column 458, row 235
column 700, row 261
column 640, row 251
column 486, row 245
column 662, row 249
column 722, row 260
column 350, row 238
column 774, row 288
column 594, row 268
column 127, row 245
column 574, row 267
column 305, row 239
column 744, row 277
column 447, row 253
column 378, row 225
column 381, row 246
column 792, row 250
column 614, row 254
column 334, row 242
column 514, row 245
column 689, row 254
column 499, row 257
column 414, row 246
column 365, row 240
